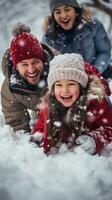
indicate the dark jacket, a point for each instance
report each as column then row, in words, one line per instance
column 89, row 39
column 17, row 96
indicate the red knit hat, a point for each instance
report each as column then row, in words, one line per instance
column 24, row 45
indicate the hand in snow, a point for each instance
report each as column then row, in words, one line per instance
column 37, row 138
column 87, row 143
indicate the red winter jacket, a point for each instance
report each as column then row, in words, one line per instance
column 99, row 113
column 99, row 122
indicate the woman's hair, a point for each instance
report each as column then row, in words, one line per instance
column 81, row 13
column 63, row 121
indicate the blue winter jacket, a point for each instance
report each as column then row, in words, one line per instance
column 89, row 39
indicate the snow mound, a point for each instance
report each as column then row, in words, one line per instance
column 27, row 173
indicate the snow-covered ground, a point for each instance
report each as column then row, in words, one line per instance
column 26, row 172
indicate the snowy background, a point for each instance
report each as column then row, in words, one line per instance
column 25, row 171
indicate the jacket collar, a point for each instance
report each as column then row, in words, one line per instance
column 18, row 85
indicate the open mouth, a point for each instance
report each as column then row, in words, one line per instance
column 66, row 98
column 65, row 20
column 34, row 75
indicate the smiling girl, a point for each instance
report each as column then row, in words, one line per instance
column 75, row 111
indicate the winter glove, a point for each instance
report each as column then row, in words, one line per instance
column 87, row 143
column 37, row 138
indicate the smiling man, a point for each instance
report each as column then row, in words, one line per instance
column 25, row 66
column 31, row 70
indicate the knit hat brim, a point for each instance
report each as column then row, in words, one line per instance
column 53, row 4
column 70, row 74
column 69, row 67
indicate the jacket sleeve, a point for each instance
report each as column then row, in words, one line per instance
column 103, row 48
column 41, row 128
column 40, row 123
column 100, row 120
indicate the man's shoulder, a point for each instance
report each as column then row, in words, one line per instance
column 48, row 52
column 5, row 60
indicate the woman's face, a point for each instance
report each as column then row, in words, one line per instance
column 66, row 92
column 65, row 16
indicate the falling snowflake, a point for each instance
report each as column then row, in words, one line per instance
column 101, row 111
column 57, row 124
column 21, row 43
column 42, row 84
column 104, row 120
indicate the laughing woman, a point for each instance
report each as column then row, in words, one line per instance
column 72, row 29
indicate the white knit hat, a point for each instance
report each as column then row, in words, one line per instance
column 67, row 66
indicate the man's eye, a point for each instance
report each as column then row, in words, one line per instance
column 35, row 62
column 24, row 65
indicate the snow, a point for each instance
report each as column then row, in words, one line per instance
column 27, row 173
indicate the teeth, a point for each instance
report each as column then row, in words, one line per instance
column 32, row 75
column 65, row 20
column 66, row 97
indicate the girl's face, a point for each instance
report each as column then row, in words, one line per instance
column 65, row 16
column 66, row 92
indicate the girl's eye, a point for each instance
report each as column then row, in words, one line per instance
column 57, row 12
column 71, row 84
column 67, row 9
column 58, row 85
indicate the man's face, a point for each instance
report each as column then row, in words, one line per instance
column 31, row 70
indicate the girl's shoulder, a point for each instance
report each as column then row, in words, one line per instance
column 93, row 23
column 102, row 106
column 98, row 86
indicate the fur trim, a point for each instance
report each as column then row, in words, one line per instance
column 96, row 89
column 47, row 21
column 86, row 14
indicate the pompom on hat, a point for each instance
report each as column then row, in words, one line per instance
column 53, row 4
column 67, row 66
column 24, row 45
